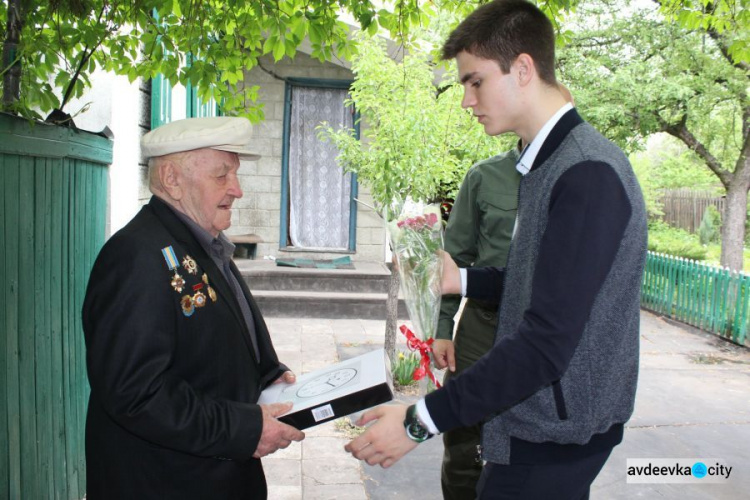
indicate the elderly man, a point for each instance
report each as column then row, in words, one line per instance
column 177, row 350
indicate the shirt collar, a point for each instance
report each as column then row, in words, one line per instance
column 528, row 155
column 219, row 247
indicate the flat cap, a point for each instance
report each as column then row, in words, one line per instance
column 225, row 133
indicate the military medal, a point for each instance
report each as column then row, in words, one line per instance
column 209, row 289
column 177, row 282
column 189, row 264
column 187, row 305
column 171, row 259
column 199, row 300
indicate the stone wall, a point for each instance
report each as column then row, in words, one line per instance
column 259, row 211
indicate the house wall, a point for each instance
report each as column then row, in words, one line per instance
column 115, row 103
column 125, row 108
column 259, row 211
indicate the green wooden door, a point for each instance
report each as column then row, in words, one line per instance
column 53, row 206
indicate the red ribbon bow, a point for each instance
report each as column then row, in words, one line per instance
column 424, row 348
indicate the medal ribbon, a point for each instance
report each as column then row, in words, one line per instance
column 424, row 348
column 170, row 257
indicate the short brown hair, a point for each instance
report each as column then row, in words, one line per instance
column 501, row 31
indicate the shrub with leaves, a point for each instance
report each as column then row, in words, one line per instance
column 710, row 228
column 417, row 140
column 403, row 368
column 663, row 238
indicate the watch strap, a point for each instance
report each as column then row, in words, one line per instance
column 415, row 429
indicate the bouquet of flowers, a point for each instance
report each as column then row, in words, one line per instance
column 416, row 236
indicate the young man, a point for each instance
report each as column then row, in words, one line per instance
column 177, row 349
column 559, row 383
column 478, row 234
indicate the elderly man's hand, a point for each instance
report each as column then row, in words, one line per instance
column 451, row 282
column 385, row 442
column 288, row 377
column 444, row 354
column 276, row 435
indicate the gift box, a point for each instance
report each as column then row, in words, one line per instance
column 335, row 391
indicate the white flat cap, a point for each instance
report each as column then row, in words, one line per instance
column 225, row 133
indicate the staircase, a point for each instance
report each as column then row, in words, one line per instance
column 290, row 292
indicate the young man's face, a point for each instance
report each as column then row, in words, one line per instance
column 211, row 186
column 491, row 94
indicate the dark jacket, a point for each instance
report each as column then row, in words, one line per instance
column 172, row 410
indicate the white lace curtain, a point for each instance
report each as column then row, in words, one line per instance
column 319, row 193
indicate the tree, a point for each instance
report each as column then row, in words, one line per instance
column 417, row 140
column 637, row 74
column 51, row 47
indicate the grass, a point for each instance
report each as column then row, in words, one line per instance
column 663, row 238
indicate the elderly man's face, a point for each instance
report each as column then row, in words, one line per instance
column 210, row 186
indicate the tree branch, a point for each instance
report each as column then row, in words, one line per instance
column 720, row 43
column 270, row 72
column 681, row 132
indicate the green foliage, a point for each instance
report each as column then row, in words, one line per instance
column 710, row 228
column 634, row 73
column 672, row 165
column 418, row 142
column 713, row 256
column 650, row 189
column 725, row 19
column 403, row 368
column 63, row 42
column 663, row 238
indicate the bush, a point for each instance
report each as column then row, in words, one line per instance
column 710, row 228
column 403, row 368
column 663, row 238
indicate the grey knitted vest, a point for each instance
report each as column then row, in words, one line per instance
column 599, row 384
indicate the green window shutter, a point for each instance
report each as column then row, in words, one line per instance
column 161, row 101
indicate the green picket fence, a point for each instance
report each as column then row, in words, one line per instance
column 712, row 298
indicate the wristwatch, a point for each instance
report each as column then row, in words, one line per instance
column 415, row 430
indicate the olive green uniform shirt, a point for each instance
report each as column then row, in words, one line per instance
column 480, row 225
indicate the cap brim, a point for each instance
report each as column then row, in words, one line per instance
column 244, row 153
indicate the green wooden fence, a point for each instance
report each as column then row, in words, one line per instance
column 53, row 204
column 712, row 298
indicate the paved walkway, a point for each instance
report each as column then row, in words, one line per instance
column 693, row 402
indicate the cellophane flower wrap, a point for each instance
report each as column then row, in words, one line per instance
column 416, row 236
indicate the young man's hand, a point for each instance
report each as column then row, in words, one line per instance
column 451, row 282
column 385, row 441
column 444, row 354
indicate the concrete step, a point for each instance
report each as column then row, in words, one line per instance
column 290, row 292
column 367, row 277
column 335, row 305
